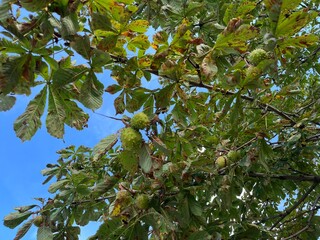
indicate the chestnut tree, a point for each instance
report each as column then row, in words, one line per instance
column 219, row 102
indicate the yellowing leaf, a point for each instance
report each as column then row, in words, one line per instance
column 238, row 10
column 299, row 41
column 141, row 42
column 116, row 209
column 237, row 39
column 294, row 22
column 140, row 26
column 208, row 67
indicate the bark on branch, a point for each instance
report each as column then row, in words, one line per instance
column 299, row 178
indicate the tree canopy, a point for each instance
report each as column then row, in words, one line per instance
column 220, row 108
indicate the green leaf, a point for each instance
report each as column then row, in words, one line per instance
column 274, row 9
column 63, row 110
column 24, row 229
column 82, row 189
column 145, row 160
column 64, row 76
column 14, row 219
column 160, row 145
column 44, row 233
column 29, row 122
column 11, row 73
column 119, row 103
column 81, row 44
column 199, row 235
column 6, row 102
column 129, row 161
column 163, row 96
column 100, row 59
column 265, row 153
column 294, row 138
column 9, row 46
column 24, row 208
column 102, row 22
column 33, row 5
column 91, row 92
column 194, row 206
column 56, row 114
column 104, row 145
column 4, row 9
column 140, row 26
column 57, row 185
column 52, row 62
column 135, row 99
column 69, row 25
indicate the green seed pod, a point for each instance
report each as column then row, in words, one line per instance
column 142, row 201
column 233, row 155
column 124, row 197
column 257, row 55
column 222, row 162
column 130, row 138
column 139, row 121
column 38, row 220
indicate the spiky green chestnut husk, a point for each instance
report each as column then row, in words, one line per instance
column 142, row 201
column 233, row 155
column 222, row 162
column 124, row 197
column 139, row 121
column 257, row 55
column 130, row 138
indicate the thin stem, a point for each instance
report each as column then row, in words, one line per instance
column 289, row 210
column 313, row 212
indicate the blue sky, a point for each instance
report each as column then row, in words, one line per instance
column 21, row 162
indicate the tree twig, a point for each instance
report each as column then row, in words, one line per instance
column 264, row 106
column 313, row 212
column 285, row 213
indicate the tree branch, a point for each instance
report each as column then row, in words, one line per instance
column 263, row 106
column 313, row 212
column 289, row 210
column 299, row 178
